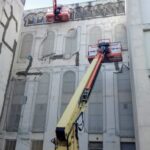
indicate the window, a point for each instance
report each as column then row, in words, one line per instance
column 128, row 146
column 17, row 100
column 40, row 110
column 70, row 43
column 95, row 146
column 121, row 35
column 37, row 145
column 48, row 44
column 95, row 34
column 147, row 47
column 125, row 104
column 10, row 145
column 26, row 46
column 68, row 88
column 95, row 119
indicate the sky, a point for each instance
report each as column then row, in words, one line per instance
column 31, row 4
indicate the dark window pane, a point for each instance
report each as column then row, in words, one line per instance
column 10, row 145
column 37, row 145
column 95, row 146
column 128, row 146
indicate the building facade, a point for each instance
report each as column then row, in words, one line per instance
column 35, row 103
column 10, row 21
column 139, row 45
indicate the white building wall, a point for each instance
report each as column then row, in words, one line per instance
column 138, row 29
column 57, row 67
column 10, row 21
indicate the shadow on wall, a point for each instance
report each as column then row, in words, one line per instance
column 6, row 26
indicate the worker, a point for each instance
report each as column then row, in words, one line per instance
column 58, row 10
column 104, row 47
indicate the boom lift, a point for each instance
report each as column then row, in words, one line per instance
column 67, row 128
column 59, row 14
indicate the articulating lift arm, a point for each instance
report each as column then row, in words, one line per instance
column 67, row 128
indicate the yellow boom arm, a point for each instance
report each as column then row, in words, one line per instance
column 66, row 131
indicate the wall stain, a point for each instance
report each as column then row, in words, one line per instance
column 6, row 26
column 12, row 49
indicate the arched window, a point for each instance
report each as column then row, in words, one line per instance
column 68, row 88
column 95, row 113
column 41, row 101
column 125, row 104
column 70, row 43
column 95, row 34
column 121, row 35
column 26, row 46
column 48, row 44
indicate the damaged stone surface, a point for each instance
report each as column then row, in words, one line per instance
column 80, row 11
